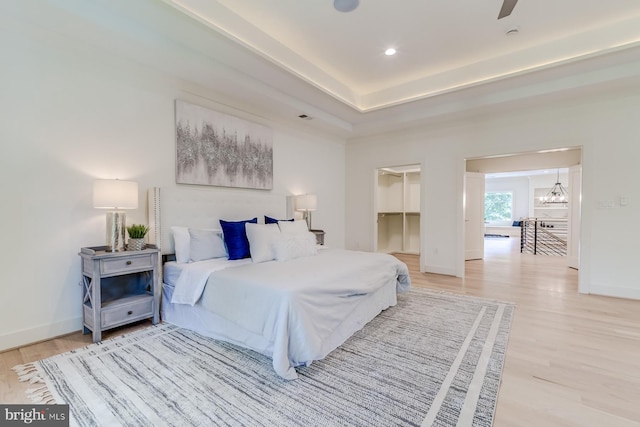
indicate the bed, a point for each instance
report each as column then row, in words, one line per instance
column 293, row 309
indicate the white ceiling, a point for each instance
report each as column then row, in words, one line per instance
column 443, row 45
column 278, row 59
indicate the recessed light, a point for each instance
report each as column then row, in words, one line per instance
column 390, row 51
column 513, row 31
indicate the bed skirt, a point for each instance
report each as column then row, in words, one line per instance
column 199, row 319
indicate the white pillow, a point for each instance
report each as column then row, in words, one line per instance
column 206, row 244
column 292, row 246
column 181, row 243
column 261, row 240
column 293, row 227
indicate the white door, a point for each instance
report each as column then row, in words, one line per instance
column 573, row 235
column 474, row 215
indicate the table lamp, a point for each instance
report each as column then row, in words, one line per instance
column 115, row 195
column 307, row 203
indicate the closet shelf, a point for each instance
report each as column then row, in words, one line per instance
column 398, row 213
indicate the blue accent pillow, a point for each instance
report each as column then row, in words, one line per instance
column 269, row 220
column 235, row 237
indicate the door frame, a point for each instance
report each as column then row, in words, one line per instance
column 476, row 251
column 460, row 265
column 573, row 240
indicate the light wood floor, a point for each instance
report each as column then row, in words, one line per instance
column 572, row 360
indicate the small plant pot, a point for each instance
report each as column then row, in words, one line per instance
column 135, row 244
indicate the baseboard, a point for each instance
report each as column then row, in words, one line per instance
column 39, row 333
column 503, row 229
column 614, row 291
column 473, row 255
column 439, row 270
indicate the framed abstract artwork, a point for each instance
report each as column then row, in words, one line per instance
column 214, row 148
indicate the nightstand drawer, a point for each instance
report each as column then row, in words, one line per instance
column 127, row 310
column 121, row 265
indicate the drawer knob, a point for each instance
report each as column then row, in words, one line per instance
column 128, row 262
column 129, row 313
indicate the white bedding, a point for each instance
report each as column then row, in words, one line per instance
column 295, row 311
column 171, row 271
column 193, row 278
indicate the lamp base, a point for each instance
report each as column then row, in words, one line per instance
column 307, row 217
column 116, row 225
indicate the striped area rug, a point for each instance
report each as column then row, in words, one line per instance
column 433, row 359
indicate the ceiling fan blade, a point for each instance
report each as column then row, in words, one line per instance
column 507, row 8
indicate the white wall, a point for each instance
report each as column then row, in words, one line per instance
column 604, row 125
column 522, row 189
column 71, row 113
column 519, row 189
column 542, row 184
column 526, row 161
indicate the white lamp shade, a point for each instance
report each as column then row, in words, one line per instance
column 306, row 202
column 115, row 194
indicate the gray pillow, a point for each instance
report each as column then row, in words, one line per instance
column 206, row 244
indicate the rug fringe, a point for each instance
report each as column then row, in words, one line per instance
column 28, row 372
column 40, row 396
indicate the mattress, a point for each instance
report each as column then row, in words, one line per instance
column 294, row 311
column 171, row 271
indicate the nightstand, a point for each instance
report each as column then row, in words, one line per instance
column 118, row 288
column 319, row 236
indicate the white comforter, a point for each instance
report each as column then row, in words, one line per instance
column 193, row 278
column 297, row 304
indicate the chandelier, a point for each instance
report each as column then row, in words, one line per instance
column 558, row 195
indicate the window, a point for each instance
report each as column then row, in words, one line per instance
column 498, row 206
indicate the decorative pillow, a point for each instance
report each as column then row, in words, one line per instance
column 181, row 241
column 292, row 246
column 261, row 239
column 269, row 220
column 206, row 244
column 235, row 237
column 293, row 227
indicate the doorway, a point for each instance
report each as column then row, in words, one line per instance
column 398, row 209
column 517, row 184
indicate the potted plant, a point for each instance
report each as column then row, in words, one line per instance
column 136, row 237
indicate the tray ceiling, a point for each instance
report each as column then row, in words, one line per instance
column 442, row 46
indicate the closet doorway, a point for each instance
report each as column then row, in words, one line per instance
column 398, row 209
